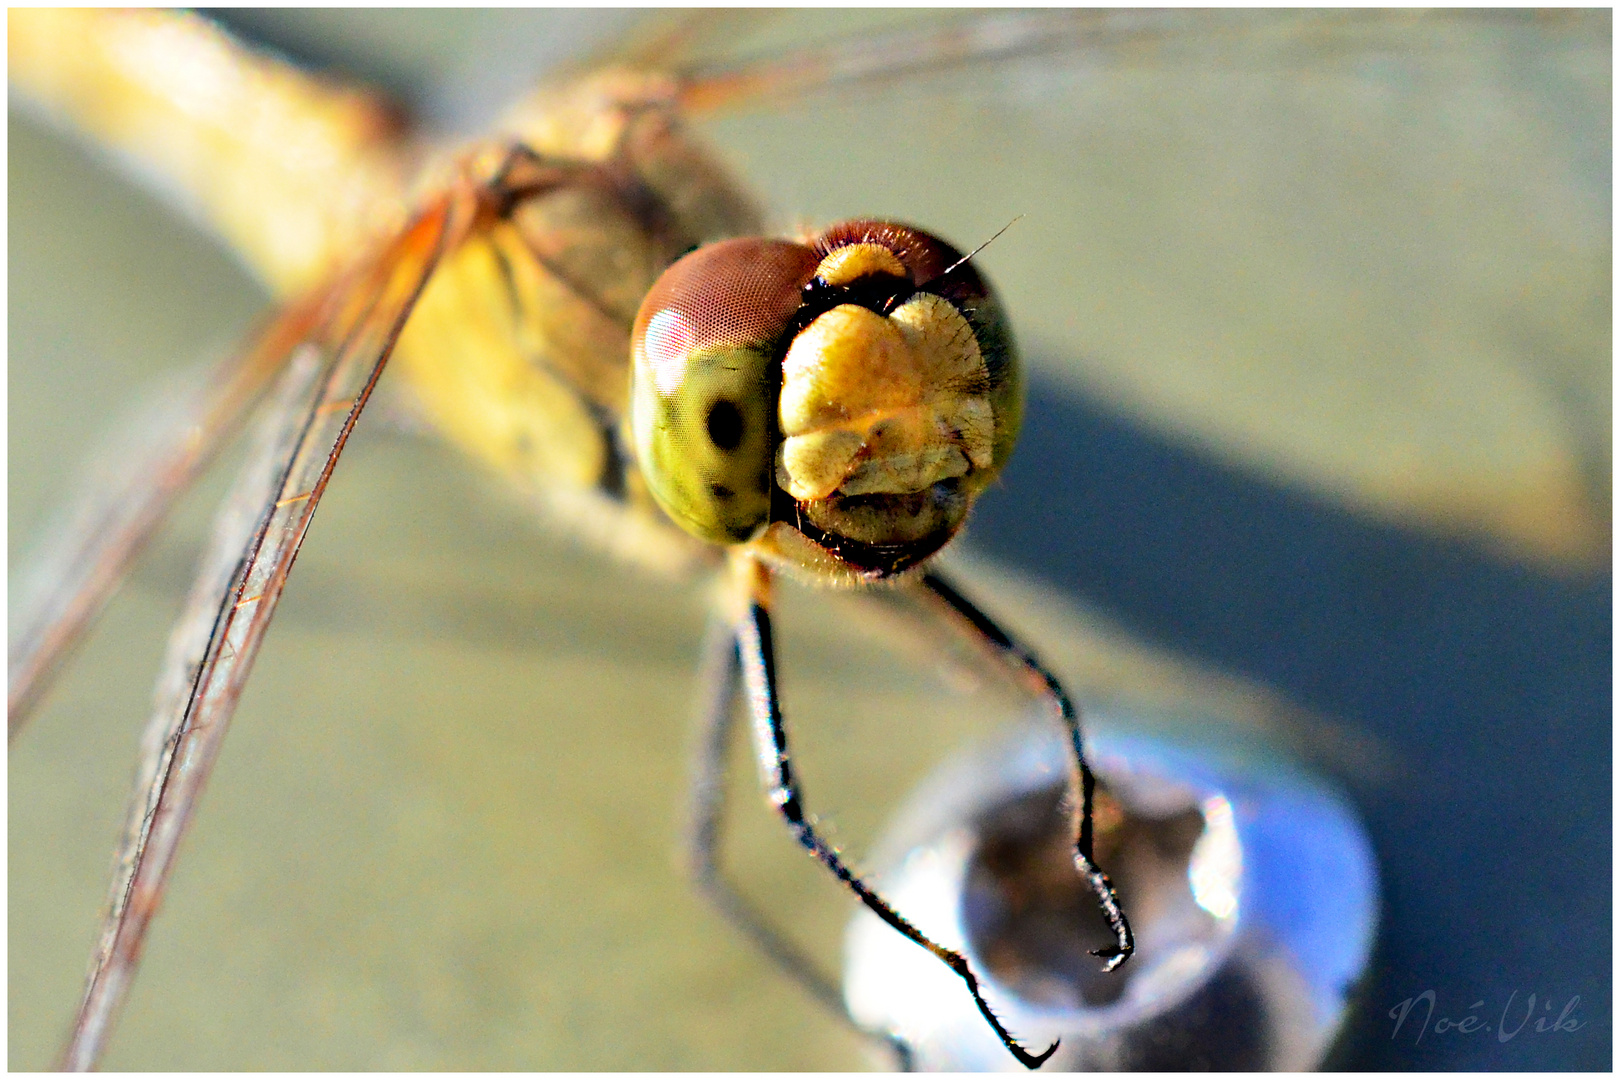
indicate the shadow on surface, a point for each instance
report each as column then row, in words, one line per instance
column 1490, row 682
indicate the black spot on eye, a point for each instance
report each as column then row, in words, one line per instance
column 721, row 493
column 725, row 423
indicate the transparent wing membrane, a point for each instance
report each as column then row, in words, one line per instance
column 120, row 501
column 880, row 59
column 256, row 537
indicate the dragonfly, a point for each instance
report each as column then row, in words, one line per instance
column 899, row 386
column 1135, row 48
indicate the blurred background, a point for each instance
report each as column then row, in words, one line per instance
column 1318, row 310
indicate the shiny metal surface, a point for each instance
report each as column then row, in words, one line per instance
column 1251, row 885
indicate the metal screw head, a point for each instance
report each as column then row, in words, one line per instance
column 1249, row 882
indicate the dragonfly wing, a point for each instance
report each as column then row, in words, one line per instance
column 888, row 58
column 256, row 537
column 1111, row 39
column 673, row 38
column 121, row 500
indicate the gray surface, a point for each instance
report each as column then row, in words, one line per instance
column 440, row 835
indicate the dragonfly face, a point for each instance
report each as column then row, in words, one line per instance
column 835, row 404
column 437, row 838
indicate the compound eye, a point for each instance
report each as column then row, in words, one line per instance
column 703, row 385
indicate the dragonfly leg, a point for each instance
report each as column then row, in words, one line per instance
column 758, row 657
column 720, row 679
column 1082, row 785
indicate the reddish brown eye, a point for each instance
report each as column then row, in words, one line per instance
column 736, row 292
column 703, row 401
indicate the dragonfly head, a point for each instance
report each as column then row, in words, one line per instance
column 837, row 403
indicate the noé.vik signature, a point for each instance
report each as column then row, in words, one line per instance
column 1517, row 1015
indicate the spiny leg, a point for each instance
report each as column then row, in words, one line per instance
column 770, row 737
column 721, row 674
column 720, row 679
column 1082, row 784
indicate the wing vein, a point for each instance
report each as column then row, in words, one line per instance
column 256, row 539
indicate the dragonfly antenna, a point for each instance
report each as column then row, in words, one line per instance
column 969, row 256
